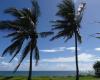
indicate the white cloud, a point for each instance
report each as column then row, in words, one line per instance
column 86, row 62
column 97, row 49
column 72, row 66
column 1, row 57
column 59, row 49
column 83, row 57
column 4, row 63
column 51, row 51
column 47, row 66
column 86, row 66
column 57, row 64
column 72, row 48
column 16, row 59
column 5, row 66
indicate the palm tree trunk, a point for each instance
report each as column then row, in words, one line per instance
column 30, row 67
column 76, row 57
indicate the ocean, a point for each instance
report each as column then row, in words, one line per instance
column 42, row 73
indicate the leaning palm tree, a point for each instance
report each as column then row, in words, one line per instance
column 69, row 25
column 23, row 29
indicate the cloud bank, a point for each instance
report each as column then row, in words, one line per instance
column 59, row 49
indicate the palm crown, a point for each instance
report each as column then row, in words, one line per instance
column 24, row 27
column 70, row 20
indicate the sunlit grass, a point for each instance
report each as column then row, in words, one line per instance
column 50, row 78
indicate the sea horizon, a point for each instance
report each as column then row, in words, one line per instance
column 44, row 73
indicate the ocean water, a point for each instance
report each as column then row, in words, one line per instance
column 40, row 73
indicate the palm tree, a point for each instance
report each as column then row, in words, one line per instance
column 69, row 25
column 23, row 29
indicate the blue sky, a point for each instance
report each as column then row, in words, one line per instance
column 56, row 55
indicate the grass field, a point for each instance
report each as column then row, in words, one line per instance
column 50, row 78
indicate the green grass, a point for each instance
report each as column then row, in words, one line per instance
column 50, row 78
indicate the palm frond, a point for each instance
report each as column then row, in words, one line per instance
column 22, row 22
column 98, row 37
column 7, row 25
column 37, row 57
column 24, row 54
column 20, row 36
column 11, row 34
column 27, row 13
column 80, row 12
column 12, row 48
column 35, row 48
column 68, row 37
column 45, row 34
column 59, row 35
column 15, row 12
column 18, row 49
column 98, row 33
column 59, row 24
column 35, row 9
column 66, row 9
column 79, row 37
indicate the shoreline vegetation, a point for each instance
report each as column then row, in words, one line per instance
column 82, row 77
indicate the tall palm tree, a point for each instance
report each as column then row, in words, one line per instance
column 23, row 29
column 69, row 25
